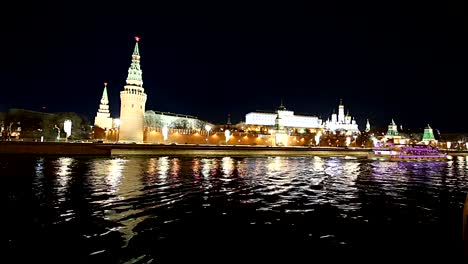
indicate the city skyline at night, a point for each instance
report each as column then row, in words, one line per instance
column 383, row 66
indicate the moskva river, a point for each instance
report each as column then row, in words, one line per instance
column 143, row 209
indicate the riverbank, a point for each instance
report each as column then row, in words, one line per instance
column 103, row 149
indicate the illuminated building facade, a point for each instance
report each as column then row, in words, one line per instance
column 287, row 119
column 171, row 120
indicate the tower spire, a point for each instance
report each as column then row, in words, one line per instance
column 134, row 72
column 281, row 107
column 104, row 99
column 136, row 51
column 229, row 119
column 103, row 119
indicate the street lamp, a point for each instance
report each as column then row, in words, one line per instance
column 227, row 134
column 317, row 138
column 164, row 133
column 117, row 123
column 208, row 128
column 348, row 141
column 67, row 127
column 58, row 133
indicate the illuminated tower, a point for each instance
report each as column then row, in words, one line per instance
column 333, row 118
column 278, row 123
column 281, row 138
column 348, row 118
column 428, row 135
column 367, row 126
column 341, row 116
column 392, row 129
column 132, row 102
column 103, row 119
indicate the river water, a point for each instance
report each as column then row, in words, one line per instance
column 223, row 209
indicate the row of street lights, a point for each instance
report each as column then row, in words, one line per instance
column 165, row 132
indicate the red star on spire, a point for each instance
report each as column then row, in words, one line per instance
column 137, row 38
column 105, row 84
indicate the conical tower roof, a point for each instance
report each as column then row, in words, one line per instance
column 428, row 134
column 134, row 72
column 392, row 129
column 281, row 107
column 104, row 99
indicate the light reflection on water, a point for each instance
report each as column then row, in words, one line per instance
column 148, row 204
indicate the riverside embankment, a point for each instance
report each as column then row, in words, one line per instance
column 103, row 149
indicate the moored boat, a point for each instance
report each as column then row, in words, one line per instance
column 409, row 153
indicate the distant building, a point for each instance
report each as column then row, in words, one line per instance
column 172, row 120
column 393, row 134
column 392, row 130
column 428, row 136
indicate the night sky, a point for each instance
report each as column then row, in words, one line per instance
column 385, row 60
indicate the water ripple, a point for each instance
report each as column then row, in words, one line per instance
column 126, row 209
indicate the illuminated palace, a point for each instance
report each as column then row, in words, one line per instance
column 286, row 118
column 263, row 121
column 133, row 115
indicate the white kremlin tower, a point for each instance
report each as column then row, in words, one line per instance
column 132, row 102
column 103, row 119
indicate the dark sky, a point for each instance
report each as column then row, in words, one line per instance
column 385, row 60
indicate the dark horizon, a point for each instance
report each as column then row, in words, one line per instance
column 391, row 61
